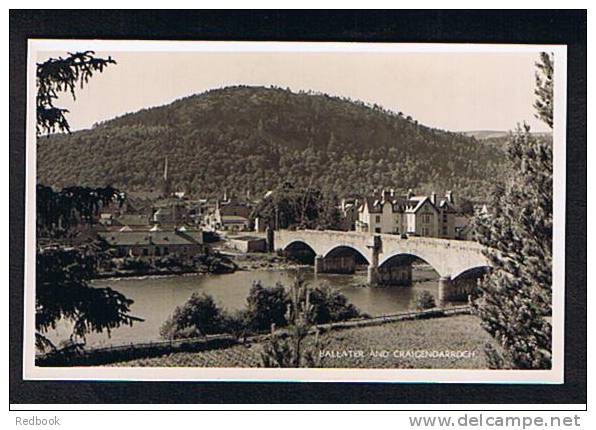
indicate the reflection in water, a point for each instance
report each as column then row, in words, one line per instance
column 156, row 298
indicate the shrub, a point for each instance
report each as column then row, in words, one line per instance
column 200, row 315
column 331, row 305
column 237, row 323
column 424, row 300
column 136, row 264
column 266, row 306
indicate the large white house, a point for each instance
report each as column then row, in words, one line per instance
column 426, row 216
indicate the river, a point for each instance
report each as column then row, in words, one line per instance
column 156, row 297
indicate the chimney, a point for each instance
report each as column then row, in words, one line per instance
column 392, row 192
column 433, row 198
column 410, row 193
column 449, row 196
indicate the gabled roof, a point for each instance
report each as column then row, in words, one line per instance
column 132, row 220
column 414, row 204
column 233, row 219
column 140, row 238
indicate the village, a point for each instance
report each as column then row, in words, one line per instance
column 168, row 223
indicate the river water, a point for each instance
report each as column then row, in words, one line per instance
column 156, row 297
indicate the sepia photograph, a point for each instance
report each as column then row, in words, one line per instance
column 293, row 211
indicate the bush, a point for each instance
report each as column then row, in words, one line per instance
column 136, row 264
column 266, row 306
column 330, row 305
column 198, row 316
column 425, row 300
column 237, row 323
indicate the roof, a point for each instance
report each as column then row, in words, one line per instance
column 404, row 203
column 233, row 219
column 133, row 219
column 140, row 238
column 247, row 238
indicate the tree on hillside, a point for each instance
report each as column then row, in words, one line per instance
column 58, row 75
column 515, row 301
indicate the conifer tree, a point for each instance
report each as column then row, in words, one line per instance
column 515, row 300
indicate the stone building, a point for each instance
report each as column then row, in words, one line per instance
column 426, row 216
column 154, row 243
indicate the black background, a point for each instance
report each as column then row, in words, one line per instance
column 533, row 26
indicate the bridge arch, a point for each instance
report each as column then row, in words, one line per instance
column 407, row 257
column 474, row 272
column 298, row 243
column 343, row 250
column 300, row 250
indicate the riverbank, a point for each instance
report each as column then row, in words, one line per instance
column 263, row 261
column 454, row 342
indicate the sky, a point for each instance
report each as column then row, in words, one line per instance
column 452, row 91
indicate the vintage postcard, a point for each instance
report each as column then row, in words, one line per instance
column 223, row 211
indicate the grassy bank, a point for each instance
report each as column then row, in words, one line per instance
column 415, row 340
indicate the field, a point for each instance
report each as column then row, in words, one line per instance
column 455, row 342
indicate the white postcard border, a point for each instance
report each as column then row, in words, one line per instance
column 553, row 376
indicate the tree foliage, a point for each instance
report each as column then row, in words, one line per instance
column 291, row 207
column 57, row 75
column 544, row 89
column 291, row 349
column 58, row 211
column 328, row 305
column 62, row 292
column 516, row 297
column 424, row 300
column 199, row 316
column 267, row 306
column 255, row 139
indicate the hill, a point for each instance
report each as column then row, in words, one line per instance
column 253, row 138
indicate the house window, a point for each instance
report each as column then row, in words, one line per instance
column 145, row 252
column 378, row 218
column 377, row 229
column 166, row 251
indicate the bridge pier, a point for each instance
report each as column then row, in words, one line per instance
column 445, row 290
column 318, row 264
column 372, row 275
column 373, row 268
column 341, row 265
column 395, row 274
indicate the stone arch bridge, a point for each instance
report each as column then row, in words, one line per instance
column 389, row 257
